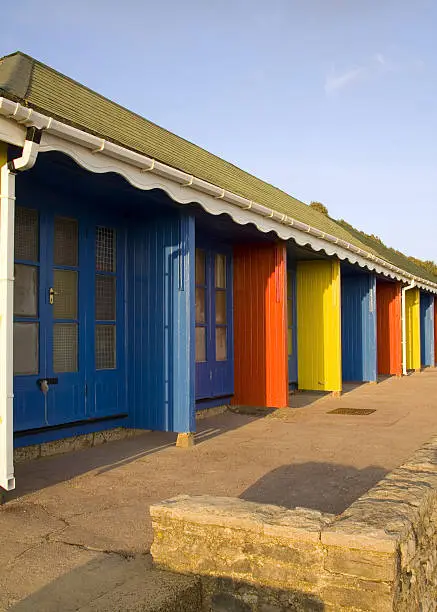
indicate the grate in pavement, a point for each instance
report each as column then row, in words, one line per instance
column 354, row 411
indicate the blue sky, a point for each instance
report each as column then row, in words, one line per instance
column 330, row 100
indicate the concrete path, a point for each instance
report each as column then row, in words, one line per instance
column 78, row 523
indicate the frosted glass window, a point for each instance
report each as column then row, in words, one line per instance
column 25, row 291
column 220, row 307
column 105, row 347
column 289, row 284
column 105, row 249
column 66, row 243
column 220, row 344
column 65, row 347
column 26, row 234
column 200, row 305
column 26, row 348
column 200, row 344
column 290, row 312
column 65, row 298
column 220, row 271
column 200, row 267
column 105, row 297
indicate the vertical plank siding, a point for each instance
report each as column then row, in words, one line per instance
column 160, row 297
column 260, row 328
column 319, row 325
column 358, row 327
column 412, row 315
column 427, row 329
column 389, row 328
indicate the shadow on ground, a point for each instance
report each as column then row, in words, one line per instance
column 40, row 473
column 294, row 485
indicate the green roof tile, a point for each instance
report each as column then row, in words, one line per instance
column 38, row 86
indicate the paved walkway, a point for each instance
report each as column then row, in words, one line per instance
column 71, row 515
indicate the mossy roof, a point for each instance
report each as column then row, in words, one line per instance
column 38, row 86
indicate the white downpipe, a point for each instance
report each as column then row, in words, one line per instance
column 404, row 326
column 7, row 223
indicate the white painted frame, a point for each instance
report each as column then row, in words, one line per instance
column 7, row 220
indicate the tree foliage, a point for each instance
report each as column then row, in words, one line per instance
column 428, row 265
column 319, row 207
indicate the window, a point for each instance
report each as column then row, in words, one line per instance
column 65, row 302
column 201, row 315
column 221, row 318
column 26, row 291
column 105, row 299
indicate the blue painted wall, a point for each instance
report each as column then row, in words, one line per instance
column 155, row 303
column 427, row 329
column 160, row 302
column 358, row 321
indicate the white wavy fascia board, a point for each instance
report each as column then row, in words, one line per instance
column 98, row 155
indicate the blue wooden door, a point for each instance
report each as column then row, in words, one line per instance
column 49, row 337
column 214, row 331
column 291, row 327
column 68, row 318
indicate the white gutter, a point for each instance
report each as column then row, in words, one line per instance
column 99, row 146
column 404, row 326
column 7, row 223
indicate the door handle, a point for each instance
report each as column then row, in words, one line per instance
column 52, row 294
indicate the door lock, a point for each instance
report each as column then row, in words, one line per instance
column 52, row 294
column 43, row 385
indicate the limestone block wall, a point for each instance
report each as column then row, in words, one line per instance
column 380, row 554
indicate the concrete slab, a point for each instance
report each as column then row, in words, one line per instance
column 69, row 509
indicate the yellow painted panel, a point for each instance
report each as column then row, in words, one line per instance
column 412, row 317
column 319, row 325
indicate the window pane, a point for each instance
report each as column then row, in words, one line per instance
column 65, row 347
column 290, row 342
column 290, row 313
column 220, row 307
column 105, row 249
column 105, row 347
column 25, row 291
column 105, row 298
column 25, row 348
column 66, row 242
column 200, row 344
column 26, row 234
column 65, row 298
column 200, row 267
column 200, row 305
column 220, row 344
column 289, row 284
column 220, row 271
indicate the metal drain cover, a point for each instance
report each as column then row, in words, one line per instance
column 354, row 411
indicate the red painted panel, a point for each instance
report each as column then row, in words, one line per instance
column 260, row 333
column 435, row 330
column 389, row 327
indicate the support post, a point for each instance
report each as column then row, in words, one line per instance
column 7, row 218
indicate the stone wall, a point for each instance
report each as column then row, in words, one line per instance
column 380, row 554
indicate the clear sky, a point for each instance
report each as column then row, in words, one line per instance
column 330, row 100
